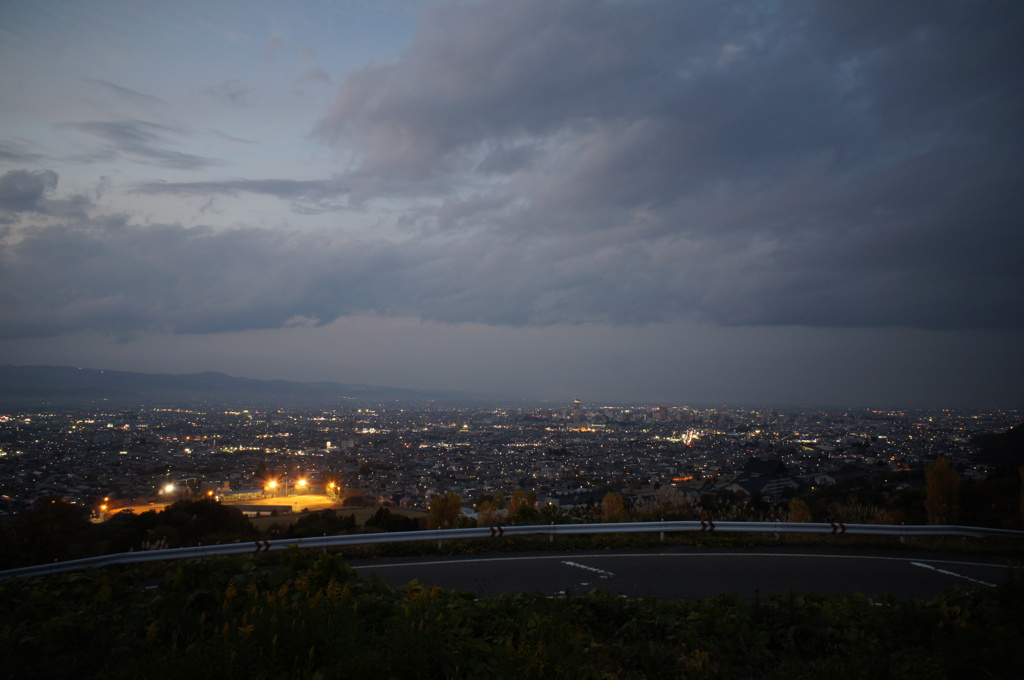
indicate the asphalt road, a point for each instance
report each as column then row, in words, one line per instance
column 688, row 573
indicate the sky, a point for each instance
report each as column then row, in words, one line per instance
column 778, row 203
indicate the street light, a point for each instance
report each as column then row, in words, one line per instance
column 169, row 488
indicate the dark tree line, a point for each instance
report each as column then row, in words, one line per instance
column 330, row 523
column 56, row 530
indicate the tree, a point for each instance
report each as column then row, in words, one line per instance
column 943, row 492
column 613, row 507
column 488, row 515
column 992, row 502
column 520, row 500
column 799, row 511
column 550, row 514
column 182, row 523
column 522, row 508
column 444, row 511
column 322, row 523
column 263, row 473
column 495, row 498
column 53, row 530
column 389, row 521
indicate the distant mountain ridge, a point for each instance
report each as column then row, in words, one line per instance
column 69, row 386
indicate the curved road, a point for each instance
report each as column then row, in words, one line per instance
column 688, row 573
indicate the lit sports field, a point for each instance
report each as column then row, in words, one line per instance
column 298, row 503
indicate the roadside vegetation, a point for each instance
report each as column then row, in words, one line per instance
column 313, row 618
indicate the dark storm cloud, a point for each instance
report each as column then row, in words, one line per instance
column 850, row 164
column 616, row 163
column 112, row 276
column 29, row 193
column 142, row 141
column 23, row 190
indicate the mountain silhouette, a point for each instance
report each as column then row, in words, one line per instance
column 69, row 386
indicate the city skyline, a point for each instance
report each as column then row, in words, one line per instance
column 753, row 203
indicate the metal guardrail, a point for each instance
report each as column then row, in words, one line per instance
column 551, row 530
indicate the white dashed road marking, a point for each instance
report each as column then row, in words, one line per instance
column 953, row 573
column 601, row 572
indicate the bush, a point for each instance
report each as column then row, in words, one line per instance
column 313, row 617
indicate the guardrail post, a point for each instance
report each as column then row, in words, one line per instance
column 439, row 539
column 903, row 537
column 551, row 534
column 662, row 532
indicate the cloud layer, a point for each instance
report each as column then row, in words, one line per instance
column 618, row 163
column 141, row 141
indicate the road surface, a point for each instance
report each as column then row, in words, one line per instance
column 689, row 573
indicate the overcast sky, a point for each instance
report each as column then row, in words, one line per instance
column 703, row 202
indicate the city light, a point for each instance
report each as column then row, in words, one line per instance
column 699, row 451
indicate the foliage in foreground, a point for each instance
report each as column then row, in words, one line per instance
column 314, row 618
